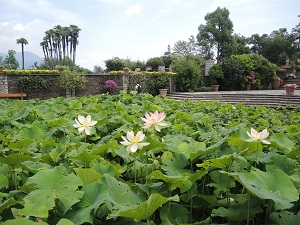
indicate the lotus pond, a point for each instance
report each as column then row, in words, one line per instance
column 205, row 165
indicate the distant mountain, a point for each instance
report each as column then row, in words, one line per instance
column 29, row 59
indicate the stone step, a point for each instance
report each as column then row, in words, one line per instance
column 268, row 100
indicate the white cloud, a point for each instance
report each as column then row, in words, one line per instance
column 133, row 10
column 19, row 27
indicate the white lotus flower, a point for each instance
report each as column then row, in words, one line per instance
column 258, row 136
column 134, row 142
column 84, row 124
column 154, row 119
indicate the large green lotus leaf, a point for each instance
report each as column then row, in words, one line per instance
column 282, row 141
column 20, row 144
column 147, row 208
column 209, row 150
column 7, row 204
column 35, row 166
column 88, row 175
column 247, row 147
column 31, row 210
column 3, row 181
column 173, row 213
column 54, row 184
column 284, row 218
column 120, row 194
column 95, row 195
column 109, row 191
column 85, row 158
column 274, row 185
column 223, row 162
column 65, row 222
column 238, row 212
column 21, row 114
column 22, row 221
column 282, row 162
column 34, row 132
column 75, row 104
column 176, row 165
column 182, row 181
column 57, row 152
column 190, row 149
column 15, row 160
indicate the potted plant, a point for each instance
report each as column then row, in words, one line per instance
column 163, row 82
column 126, row 70
column 276, row 82
column 215, row 74
column 1, row 69
column 290, row 88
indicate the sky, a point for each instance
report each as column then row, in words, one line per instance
column 134, row 29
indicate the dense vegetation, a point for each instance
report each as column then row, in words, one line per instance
column 200, row 169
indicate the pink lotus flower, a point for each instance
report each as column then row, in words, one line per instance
column 154, row 119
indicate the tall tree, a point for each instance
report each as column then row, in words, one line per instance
column 59, row 45
column 184, row 48
column 296, row 35
column 10, row 61
column 217, row 33
column 23, row 42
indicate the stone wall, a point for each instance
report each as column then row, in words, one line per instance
column 94, row 85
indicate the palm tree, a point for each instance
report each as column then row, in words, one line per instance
column 74, row 39
column 23, row 42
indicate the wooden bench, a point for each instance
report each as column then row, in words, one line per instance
column 14, row 95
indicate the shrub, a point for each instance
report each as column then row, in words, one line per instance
column 72, row 80
column 188, row 74
column 215, row 74
column 30, row 84
column 111, row 86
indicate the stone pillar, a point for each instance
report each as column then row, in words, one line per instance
column 3, row 84
column 125, row 82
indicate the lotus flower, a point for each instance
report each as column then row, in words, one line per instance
column 154, row 119
column 258, row 136
column 84, row 124
column 134, row 142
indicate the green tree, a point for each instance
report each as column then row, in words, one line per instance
column 239, row 45
column 188, row 72
column 59, row 44
column 217, row 33
column 155, row 62
column 184, row 48
column 23, row 42
column 10, row 61
column 274, row 45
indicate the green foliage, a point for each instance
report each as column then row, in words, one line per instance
column 200, row 169
column 30, row 84
column 217, row 33
column 10, row 61
column 155, row 63
column 188, row 74
column 117, row 63
column 215, row 73
column 72, row 80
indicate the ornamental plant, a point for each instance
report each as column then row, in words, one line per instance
column 111, row 86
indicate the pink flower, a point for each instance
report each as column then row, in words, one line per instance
column 292, row 86
column 154, row 119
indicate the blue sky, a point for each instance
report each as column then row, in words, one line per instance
column 134, row 29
